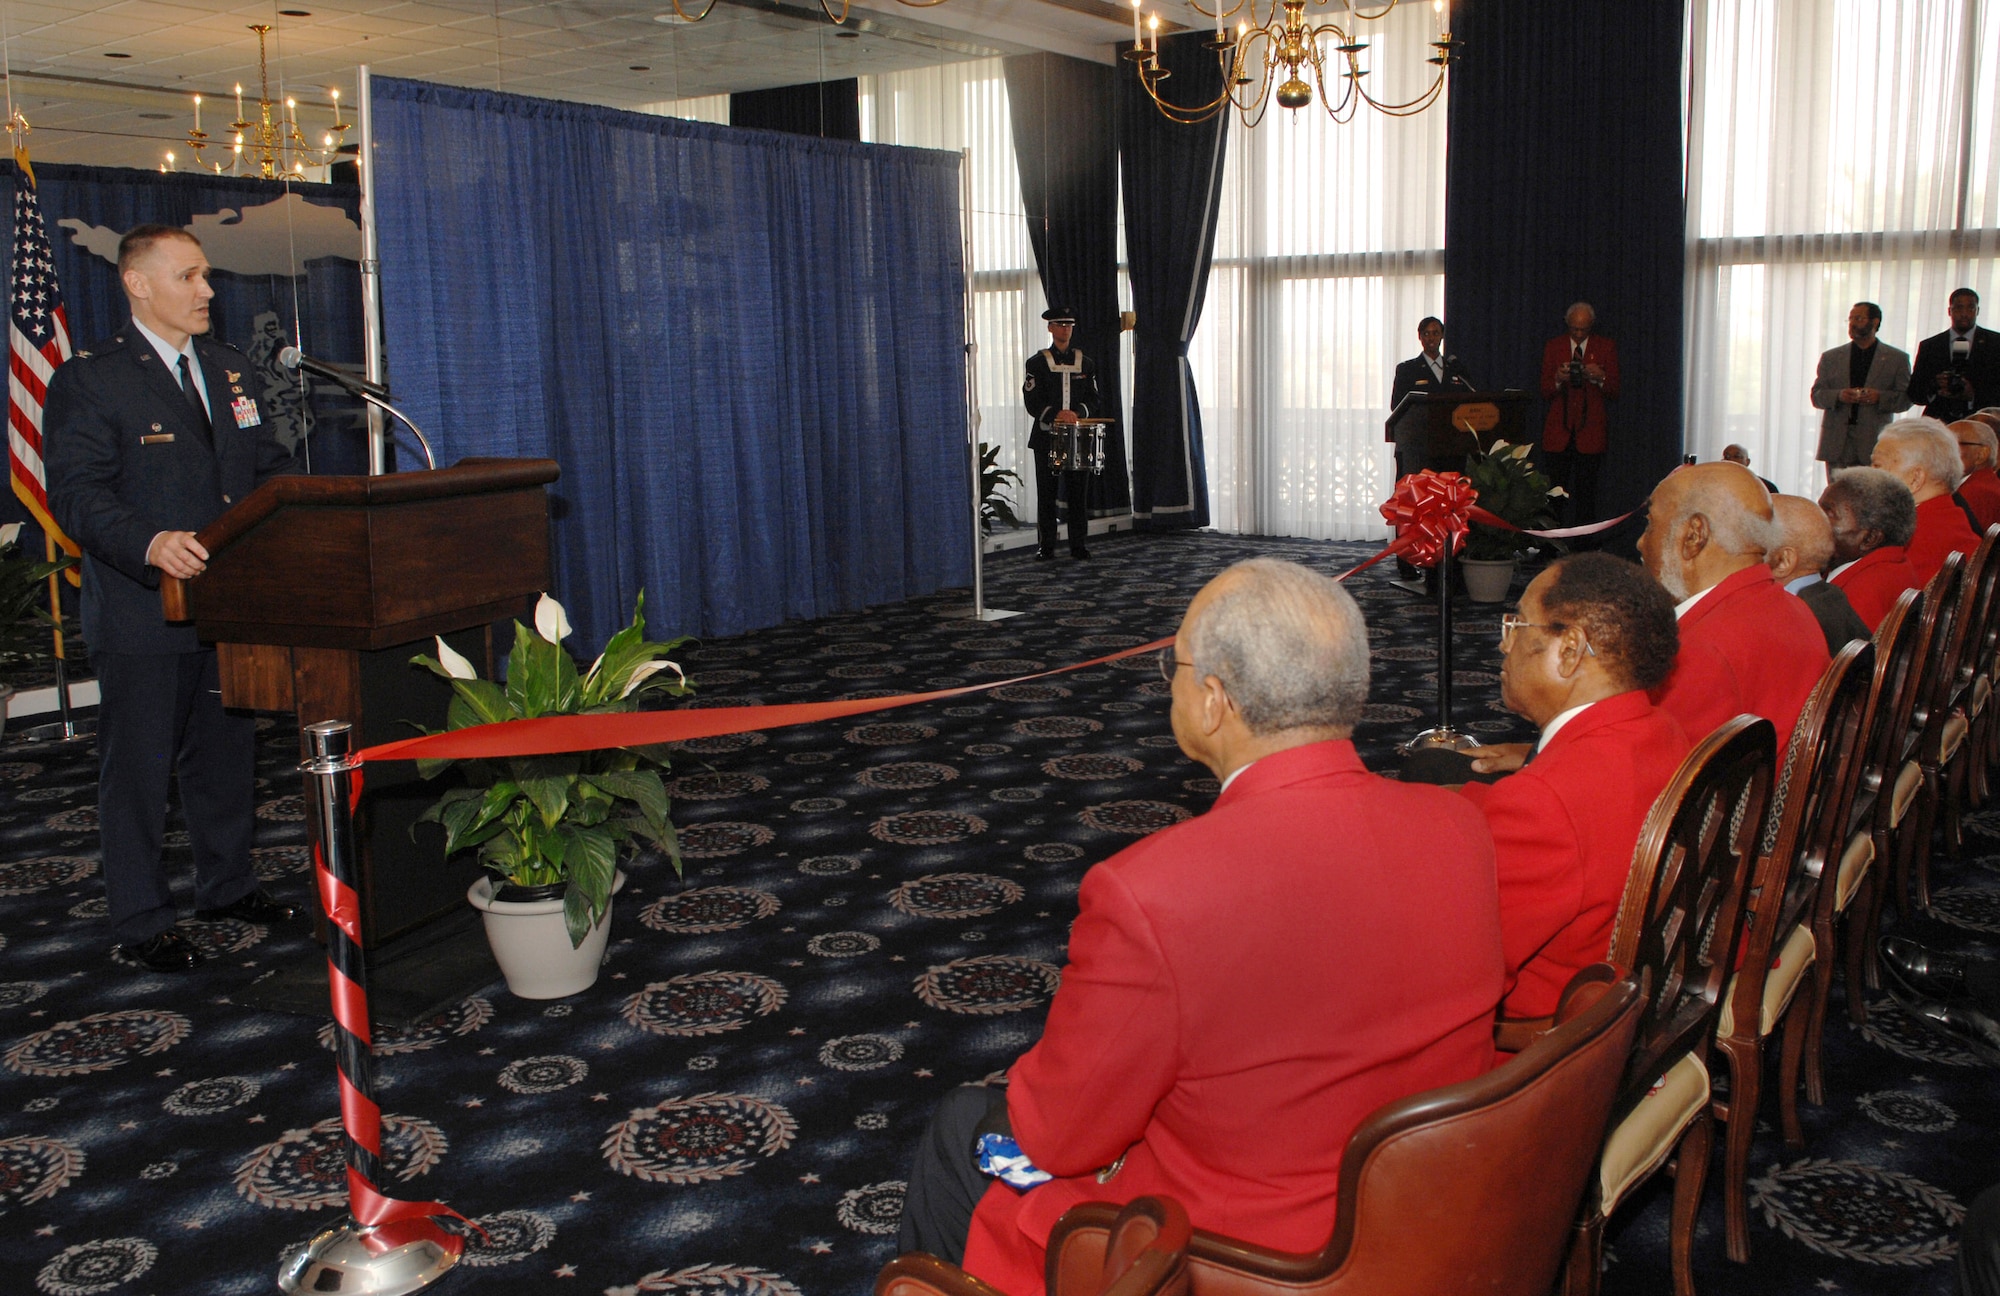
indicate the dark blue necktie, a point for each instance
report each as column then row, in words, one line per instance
column 200, row 410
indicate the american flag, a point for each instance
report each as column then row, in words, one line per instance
column 37, row 341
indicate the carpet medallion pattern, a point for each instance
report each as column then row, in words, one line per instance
column 873, row 911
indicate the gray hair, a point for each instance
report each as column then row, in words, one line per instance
column 1730, row 525
column 1288, row 643
column 1880, row 500
column 1927, row 444
column 1987, row 437
column 1574, row 307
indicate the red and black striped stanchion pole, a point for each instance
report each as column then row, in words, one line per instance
column 384, row 1247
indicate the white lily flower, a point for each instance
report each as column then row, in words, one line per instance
column 1557, row 492
column 646, row 670
column 551, row 622
column 591, row 674
column 9, row 534
column 454, row 665
column 1520, row 452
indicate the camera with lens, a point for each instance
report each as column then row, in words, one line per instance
column 1576, row 373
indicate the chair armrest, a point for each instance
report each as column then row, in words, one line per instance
column 922, row 1274
column 1512, row 1034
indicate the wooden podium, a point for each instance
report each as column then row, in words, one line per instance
column 1438, row 430
column 318, row 592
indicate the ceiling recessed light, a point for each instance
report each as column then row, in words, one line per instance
column 641, row 67
column 156, row 116
column 296, row 13
column 847, row 35
column 118, row 56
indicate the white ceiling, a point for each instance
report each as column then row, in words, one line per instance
column 87, row 106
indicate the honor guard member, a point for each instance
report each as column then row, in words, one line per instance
column 1061, row 387
column 150, row 437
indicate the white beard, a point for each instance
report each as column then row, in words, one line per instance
column 1673, row 577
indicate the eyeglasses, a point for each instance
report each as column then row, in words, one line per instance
column 1512, row 621
column 1170, row 663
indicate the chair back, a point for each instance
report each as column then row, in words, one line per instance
column 1682, row 912
column 1822, row 767
column 1945, row 622
column 1144, row 1254
column 1983, row 636
column 1469, row 1187
column 1899, row 643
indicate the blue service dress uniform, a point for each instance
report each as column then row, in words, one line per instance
column 1056, row 381
column 128, row 456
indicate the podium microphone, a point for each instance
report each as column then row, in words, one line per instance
column 374, row 393
column 294, row 359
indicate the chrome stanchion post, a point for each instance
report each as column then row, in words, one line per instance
column 1443, row 735
column 387, row 1258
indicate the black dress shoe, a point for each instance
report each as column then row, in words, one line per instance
column 1079, row 554
column 1044, row 555
column 255, row 908
column 167, row 952
column 1970, row 1027
column 1921, row 973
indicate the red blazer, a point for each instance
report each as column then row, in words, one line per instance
column 1941, row 530
column 1563, row 832
column 1581, row 407
column 1243, row 989
column 1874, row 581
column 1747, row 647
column 1981, row 491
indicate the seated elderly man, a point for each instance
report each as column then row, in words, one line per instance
column 1923, row 455
column 1593, row 634
column 1805, row 547
column 1873, row 517
column 1978, row 450
column 1243, row 988
column 1746, row 645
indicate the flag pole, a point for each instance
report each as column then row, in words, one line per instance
column 62, row 655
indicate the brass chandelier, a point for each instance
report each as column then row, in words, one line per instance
column 1287, row 56
column 273, row 145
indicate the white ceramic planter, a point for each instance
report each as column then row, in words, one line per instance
column 531, row 942
column 1487, row 579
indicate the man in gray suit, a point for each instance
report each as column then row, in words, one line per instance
column 1861, row 385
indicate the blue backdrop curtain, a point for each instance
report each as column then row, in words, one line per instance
column 1565, row 185
column 1173, row 187
column 1066, row 144
column 745, row 349
column 831, row 109
column 322, row 302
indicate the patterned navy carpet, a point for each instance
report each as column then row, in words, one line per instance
column 874, row 911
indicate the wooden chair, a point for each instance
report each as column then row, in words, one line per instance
column 1962, row 772
column 1985, row 651
column 1146, row 1255
column 1947, row 726
column 1677, row 930
column 1937, row 732
column 1790, row 885
column 1472, row 1187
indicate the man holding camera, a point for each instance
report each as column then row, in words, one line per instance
column 1579, row 375
column 1958, row 371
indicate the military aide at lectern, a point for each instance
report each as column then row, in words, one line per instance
column 1061, row 387
column 150, row 437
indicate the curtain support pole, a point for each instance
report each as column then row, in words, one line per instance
column 371, row 275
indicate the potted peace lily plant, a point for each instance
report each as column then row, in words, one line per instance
column 552, row 829
column 1511, row 487
column 25, row 621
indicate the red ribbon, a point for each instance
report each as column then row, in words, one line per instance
column 1429, row 511
column 399, row 1222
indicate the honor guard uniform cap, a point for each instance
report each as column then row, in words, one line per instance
column 1059, row 315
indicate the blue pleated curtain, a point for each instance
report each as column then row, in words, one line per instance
column 744, row 348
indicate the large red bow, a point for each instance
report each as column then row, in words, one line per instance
column 1427, row 509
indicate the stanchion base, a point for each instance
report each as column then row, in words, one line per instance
column 340, row 1259
column 54, row 732
column 1443, row 736
column 967, row 612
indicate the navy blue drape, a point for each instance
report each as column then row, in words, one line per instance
column 325, row 294
column 831, row 109
column 745, row 349
column 1565, row 185
column 1173, row 186
column 1066, row 142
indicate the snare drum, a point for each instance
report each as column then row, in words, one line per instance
column 1079, row 446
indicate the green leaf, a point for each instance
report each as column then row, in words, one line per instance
column 550, row 795
column 640, row 786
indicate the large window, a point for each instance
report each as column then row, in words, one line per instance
column 1329, row 249
column 1838, row 151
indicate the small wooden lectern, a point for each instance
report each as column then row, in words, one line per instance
column 318, row 592
column 1437, row 431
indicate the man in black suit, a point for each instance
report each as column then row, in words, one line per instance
column 151, row 436
column 1429, row 371
column 1957, row 371
column 1804, row 550
column 1060, row 388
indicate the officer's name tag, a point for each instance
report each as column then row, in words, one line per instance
column 245, row 410
column 163, row 438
